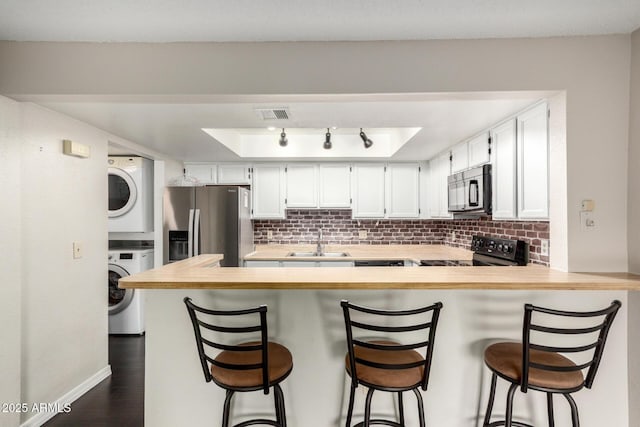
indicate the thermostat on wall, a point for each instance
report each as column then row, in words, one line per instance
column 71, row 148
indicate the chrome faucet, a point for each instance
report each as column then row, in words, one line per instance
column 319, row 248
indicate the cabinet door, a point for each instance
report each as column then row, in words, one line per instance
column 403, row 191
column 268, row 190
column 335, row 186
column 368, row 191
column 302, row 186
column 439, row 170
column 503, row 170
column 479, row 150
column 533, row 163
column 233, row 174
column 204, row 173
column 459, row 157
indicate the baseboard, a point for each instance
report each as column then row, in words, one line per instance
column 42, row 417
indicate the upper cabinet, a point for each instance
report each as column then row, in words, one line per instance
column 520, row 166
column 234, row 174
column 335, row 186
column 479, row 149
column 403, row 190
column 533, row 163
column 205, row 173
column 368, row 188
column 503, row 170
column 459, row 157
column 302, row 186
column 268, row 191
column 439, row 170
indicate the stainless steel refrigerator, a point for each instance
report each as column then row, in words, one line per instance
column 207, row 220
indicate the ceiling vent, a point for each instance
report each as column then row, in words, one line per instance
column 273, row 113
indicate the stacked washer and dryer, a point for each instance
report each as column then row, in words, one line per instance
column 130, row 211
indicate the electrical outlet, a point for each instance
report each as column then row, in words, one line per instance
column 77, row 250
column 362, row 234
column 269, row 234
column 544, row 247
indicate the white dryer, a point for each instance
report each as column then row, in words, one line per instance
column 126, row 306
column 130, row 194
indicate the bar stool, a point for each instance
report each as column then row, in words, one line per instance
column 386, row 365
column 543, row 367
column 249, row 366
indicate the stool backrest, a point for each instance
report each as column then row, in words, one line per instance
column 428, row 324
column 204, row 344
column 602, row 320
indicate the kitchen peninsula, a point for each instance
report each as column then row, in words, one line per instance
column 481, row 304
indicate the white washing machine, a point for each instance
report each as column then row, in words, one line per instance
column 130, row 194
column 126, row 306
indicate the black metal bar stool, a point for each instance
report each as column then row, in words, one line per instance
column 543, row 367
column 386, row 365
column 249, row 366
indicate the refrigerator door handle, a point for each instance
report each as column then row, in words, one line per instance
column 196, row 234
column 190, row 236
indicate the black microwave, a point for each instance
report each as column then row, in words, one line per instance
column 470, row 191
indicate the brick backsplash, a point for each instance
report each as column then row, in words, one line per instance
column 301, row 226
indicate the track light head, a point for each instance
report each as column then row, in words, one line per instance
column 283, row 139
column 327, row 140
column 367, row 142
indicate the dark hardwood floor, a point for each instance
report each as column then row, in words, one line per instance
column 118, row 400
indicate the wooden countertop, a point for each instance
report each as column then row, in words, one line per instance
column 201, row 272
column 361, row 252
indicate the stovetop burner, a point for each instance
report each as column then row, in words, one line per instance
column 445, row 263
column 488, row 251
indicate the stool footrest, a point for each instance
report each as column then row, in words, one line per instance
column 380, row 422
column 258, row 421
column 513, row 424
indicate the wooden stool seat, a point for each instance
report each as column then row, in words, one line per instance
column 505, row 358
column 387, row 378
column 280, row 365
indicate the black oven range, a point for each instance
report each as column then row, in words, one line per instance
column 489, row 251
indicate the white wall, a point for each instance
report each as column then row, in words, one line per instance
column 634, row 230
column 10, row 257
column 594, row 72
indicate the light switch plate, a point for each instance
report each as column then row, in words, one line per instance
column 269, row 234
column 362, row 234
column 77, row 250
column 587, row 221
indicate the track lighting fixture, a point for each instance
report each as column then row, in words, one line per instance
column 367, row 142
column 283, row 139
column 327, row 140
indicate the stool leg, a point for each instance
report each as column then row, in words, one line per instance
column 492, row 395
column 367, row 408
column 350, row 410
column 574, row 410
column 420, row 407
column 281, row 415
column 550, row 409
column 509, row 412
column 227, row 408
column 400, row 408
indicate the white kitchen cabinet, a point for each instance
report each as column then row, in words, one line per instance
column 234, row 174
column 479, row 150
column 205, row 173
column 268, row 191
column 533, row 163
column 459, row 157
column 439, row 170
column 368, row 188
column 425, row 189
column 403, row 190
column 503, row 170
column 302, row 186
column 335, row 186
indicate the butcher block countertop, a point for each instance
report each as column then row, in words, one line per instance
column 202, row 272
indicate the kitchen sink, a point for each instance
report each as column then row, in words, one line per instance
column 316, row 254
